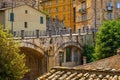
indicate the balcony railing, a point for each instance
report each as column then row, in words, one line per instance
column 37, row 34
column 82, row 11
column 109, row 8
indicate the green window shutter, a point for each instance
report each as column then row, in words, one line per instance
column 11, row 16
column 41, row 20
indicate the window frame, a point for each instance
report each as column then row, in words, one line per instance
column 26, row 11
column 56, row 9
column 110, row 15
column 25, row 24
column 41, row 20
column 68, row 54
column 118, row 5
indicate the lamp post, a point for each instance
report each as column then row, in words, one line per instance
column 94, row 30
column 60, row 57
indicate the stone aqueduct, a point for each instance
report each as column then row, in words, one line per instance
column 43, row 53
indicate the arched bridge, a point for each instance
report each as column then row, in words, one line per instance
column 45, row 51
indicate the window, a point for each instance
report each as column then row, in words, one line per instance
column 75, row 56
column 78, row 18
column 25, row 24
column 68, row 54
column 49, row 10
column 84, row 17
column 56, row 10
column 109, row 7
column 74, row 12
column 110, row 16
column 41, row 20
column 11, row 16
column 118, row 4
column 110, row 4
column 26, row 11
column 83, row 29
column 84, row 6
column 56, row 1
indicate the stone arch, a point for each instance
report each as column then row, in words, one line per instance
column 36, row 62
column 63, row 46
column 67, row 44
column 32, row 46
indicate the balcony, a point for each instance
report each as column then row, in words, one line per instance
column 82, row 1
column 109, row 8
column 82, row 11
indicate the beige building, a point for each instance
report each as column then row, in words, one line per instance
column 92, row 13
column 105, row 10
column 24, row 18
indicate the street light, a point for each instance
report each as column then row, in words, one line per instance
column 60, row 57
column 94, row 30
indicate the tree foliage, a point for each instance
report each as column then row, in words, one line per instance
column 88, row 51
column 12, row 63
column 107, row 39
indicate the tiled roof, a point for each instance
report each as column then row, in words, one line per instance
column 80, row 74
column 105, row 69
column 110, row 63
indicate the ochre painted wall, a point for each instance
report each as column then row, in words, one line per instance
column 79, row 16
column 65, row 9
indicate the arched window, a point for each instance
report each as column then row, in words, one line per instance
column 68, row 54
column 76, row 55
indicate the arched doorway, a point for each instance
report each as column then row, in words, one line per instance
column 35, row 61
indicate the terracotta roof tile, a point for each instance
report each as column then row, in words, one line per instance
column 80, row 74
column 107, row 63
column 105, row 69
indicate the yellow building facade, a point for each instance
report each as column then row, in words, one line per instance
column 83, row 13
column 61, row 9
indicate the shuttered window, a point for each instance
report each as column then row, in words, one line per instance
column 41, row 20
column 11, row 16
